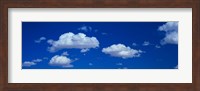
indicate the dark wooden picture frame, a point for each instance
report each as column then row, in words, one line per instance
column 5, row 4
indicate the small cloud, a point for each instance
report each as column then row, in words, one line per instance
column 40, row 40
column 68, row 66
column 71, row 40
column 146, row 43
column 95, row 30
column 84, row 50
column 85, row 28
column 76, row 59
column 65, row 53
column 37, row 60
column 90, row 64
column 120, row 50
column 45, row 58
column 104, row 33
column 134, row 44
column 90, row 28
column 28, row 64
column 62, row 61
column 119, row 64
column 157, row 46
column 171, row 33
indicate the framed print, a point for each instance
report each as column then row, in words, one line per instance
column 100, row 45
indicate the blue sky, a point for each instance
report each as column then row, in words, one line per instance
column 99, row 45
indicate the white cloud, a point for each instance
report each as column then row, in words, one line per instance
column 60, row 61
column 50, row 41
column 157, row 46
column 85, row 28
column 65, row 53
column 71, row 40
column 171, row 30
column 120, row 50
column 37, row 60
column 146, row 43
column 40, row 39
column 28, row 63
column 84, row 50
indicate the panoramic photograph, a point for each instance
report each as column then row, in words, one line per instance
column 100, row 45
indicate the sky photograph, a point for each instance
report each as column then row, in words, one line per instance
column 100, row 45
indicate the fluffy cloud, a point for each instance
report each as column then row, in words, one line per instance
column 71, row 40
column 50, row 41
column 171, row 30
column 40, row 39
column 146, row 43
column 120, row 50
column 60, row 61
column 28, row 63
